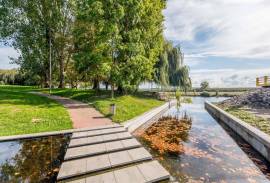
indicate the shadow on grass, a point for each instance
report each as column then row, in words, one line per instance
column 12, row 97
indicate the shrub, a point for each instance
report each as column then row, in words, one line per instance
column 205, row 94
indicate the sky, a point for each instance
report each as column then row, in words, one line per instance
column 225, row 42
column 5, row 54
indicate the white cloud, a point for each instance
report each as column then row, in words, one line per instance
column 234, row 28
column 5, row 53
column 227, row 77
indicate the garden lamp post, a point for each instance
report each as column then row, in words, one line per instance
column 50, row 62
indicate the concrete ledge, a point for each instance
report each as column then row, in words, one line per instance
column 139, row 121
column 256, row 138
column 54, row 133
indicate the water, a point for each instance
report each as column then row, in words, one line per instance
column 211, row 154
column 32, row 160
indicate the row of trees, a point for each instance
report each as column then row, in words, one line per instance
column 15, row 77
column 118, row 42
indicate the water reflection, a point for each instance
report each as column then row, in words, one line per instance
column 210, row 154
column 35, row 160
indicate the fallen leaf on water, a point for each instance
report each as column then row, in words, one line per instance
column 56, row 170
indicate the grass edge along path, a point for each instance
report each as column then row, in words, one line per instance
column 23, row 113
column 127, row 106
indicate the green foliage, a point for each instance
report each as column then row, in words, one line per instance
column 255, row 121
column 127, row 107
column 187, row 100
column 118, row 41
column 217, row 92
column 178, row 98
column 30, row 26
column 112, row 41
column 205, row 94
column 22, row 112
column 204, row 85
column 170, row 69
column 16, row 77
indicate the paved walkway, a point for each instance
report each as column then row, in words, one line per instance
column 108, row 155
column 81, row 114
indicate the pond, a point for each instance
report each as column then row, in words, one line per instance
column 212, row 153
column 32, row 160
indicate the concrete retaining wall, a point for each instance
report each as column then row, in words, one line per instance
column 256, row 138
column 147, row 117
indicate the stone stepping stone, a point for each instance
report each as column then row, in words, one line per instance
column 102, row 162
column 98, row 132
column 141, row 173
column 99, row 139
column 96, row 149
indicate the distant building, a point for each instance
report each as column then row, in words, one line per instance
column 263, row 81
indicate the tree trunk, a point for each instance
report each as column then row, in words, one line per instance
column 96, row 84
column 112, row 90
column 106, row 85
column 120, row 89
column 46, row 81
column 61, row 73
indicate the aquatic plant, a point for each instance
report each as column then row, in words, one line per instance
column 178, row 99
column 167, row 133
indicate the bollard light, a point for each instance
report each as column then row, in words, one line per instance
column 113, row 109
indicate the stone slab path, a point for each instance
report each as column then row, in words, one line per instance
column 81, row 114
column 108, row 155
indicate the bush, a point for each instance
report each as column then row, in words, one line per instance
column 187, row 100
column 205, row 94
column 217, row 93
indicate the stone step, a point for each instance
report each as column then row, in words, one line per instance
column 99, row 127
column 141, row 173
column 92, row 133
column 103, row 162
column 99, row 139
column 102, row 148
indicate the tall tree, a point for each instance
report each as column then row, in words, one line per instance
column 31, row 27
column 170, row 68
column 140, row 31
column 123, row 38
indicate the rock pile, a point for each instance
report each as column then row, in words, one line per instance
column 259, row 98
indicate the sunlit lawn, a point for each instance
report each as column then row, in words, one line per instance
column 127, row 106
column 22, row 112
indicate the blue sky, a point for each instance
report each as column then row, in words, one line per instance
column 225, row 42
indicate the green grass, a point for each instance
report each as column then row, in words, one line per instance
column 22, row 112
column 127, row 106
column 255, row 121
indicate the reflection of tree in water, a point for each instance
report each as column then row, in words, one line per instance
column 37, row 161
column 167, row 135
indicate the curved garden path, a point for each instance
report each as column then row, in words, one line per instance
column 82, row 115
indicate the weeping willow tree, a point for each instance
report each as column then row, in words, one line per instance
column 170, row 68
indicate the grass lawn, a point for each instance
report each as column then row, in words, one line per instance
column 255, row 121
column 22, row 112
column 127, row 106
